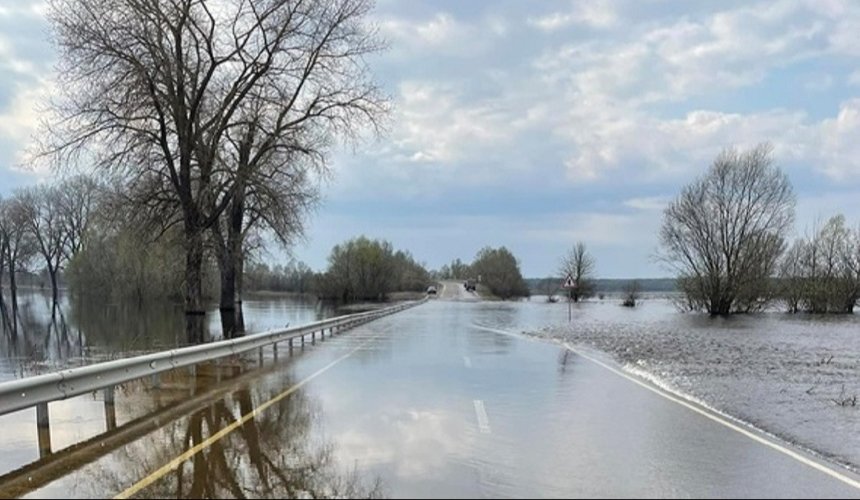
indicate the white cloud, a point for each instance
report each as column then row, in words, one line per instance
column 434, row 124
column 23, row 116
column 596, row 14
column 651, row 204
column 840, row 142
column 441, row 34
column 27, row 8
column 11, row 64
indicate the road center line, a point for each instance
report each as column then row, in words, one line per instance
column 483, row 419
column 679, row 399
column 176, row 462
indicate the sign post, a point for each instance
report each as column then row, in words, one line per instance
column 569, row 284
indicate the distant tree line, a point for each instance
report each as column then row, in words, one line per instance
column 359, row 269
column 295, row 277
column 552, row 285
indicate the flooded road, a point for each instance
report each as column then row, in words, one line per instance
column 443, row 400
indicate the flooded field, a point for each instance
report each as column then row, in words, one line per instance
column 791, row 375
column 83, row 332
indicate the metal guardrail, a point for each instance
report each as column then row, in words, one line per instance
column 25, row 393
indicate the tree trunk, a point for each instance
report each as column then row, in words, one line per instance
column 55, row 290
column 13, row 292
column 235, row 243
column 195, row 315
column 227, row 266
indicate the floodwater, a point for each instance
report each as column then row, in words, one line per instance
column 783, row 373
column 443, row 400
column 81, row 332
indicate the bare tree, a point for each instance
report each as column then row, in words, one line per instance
column 4, row 237
column 792, row 280
column 78, row 198
column 726, row 231
column 279, row 141
column 152, row 89
column 16, row 249
column 579, row 265
column 821, row 274
column 42, row 213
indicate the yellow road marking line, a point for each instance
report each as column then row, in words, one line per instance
column 176, row 462
column 678, row 399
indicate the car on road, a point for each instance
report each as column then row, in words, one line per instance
column 431, row 290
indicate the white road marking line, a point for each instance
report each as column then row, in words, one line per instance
column 681, row 400
column 467, row 361
column 483, row 420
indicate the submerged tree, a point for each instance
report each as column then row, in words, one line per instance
column 153, row 88
column 579, row 265
column 43, row 217
column 632, row 293
column 726, row 231
column 821, row 274
column 16, row 249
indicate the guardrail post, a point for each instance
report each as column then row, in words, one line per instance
column 275, row 350
column 43, row 423
column 313, row 338
column 156, row 381
column 291, row 347
column 322, row 335
column 303, row 341
column 110, row 408
column 192, row 371
column 261, row 356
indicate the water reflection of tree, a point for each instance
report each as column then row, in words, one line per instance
column 273, row 455
column 154, row 326
column 41, row 335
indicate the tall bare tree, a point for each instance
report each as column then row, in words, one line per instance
column 726, row 231
column 579, row 265
column 152, row 88
column 42, row 213
column 16, row 249
column 78, row 199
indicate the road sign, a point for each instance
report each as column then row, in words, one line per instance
column 569, row 282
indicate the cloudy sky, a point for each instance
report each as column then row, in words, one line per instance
column 538, row 124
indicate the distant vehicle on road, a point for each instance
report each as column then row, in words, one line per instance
column 470, row 285
column 431, row 290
